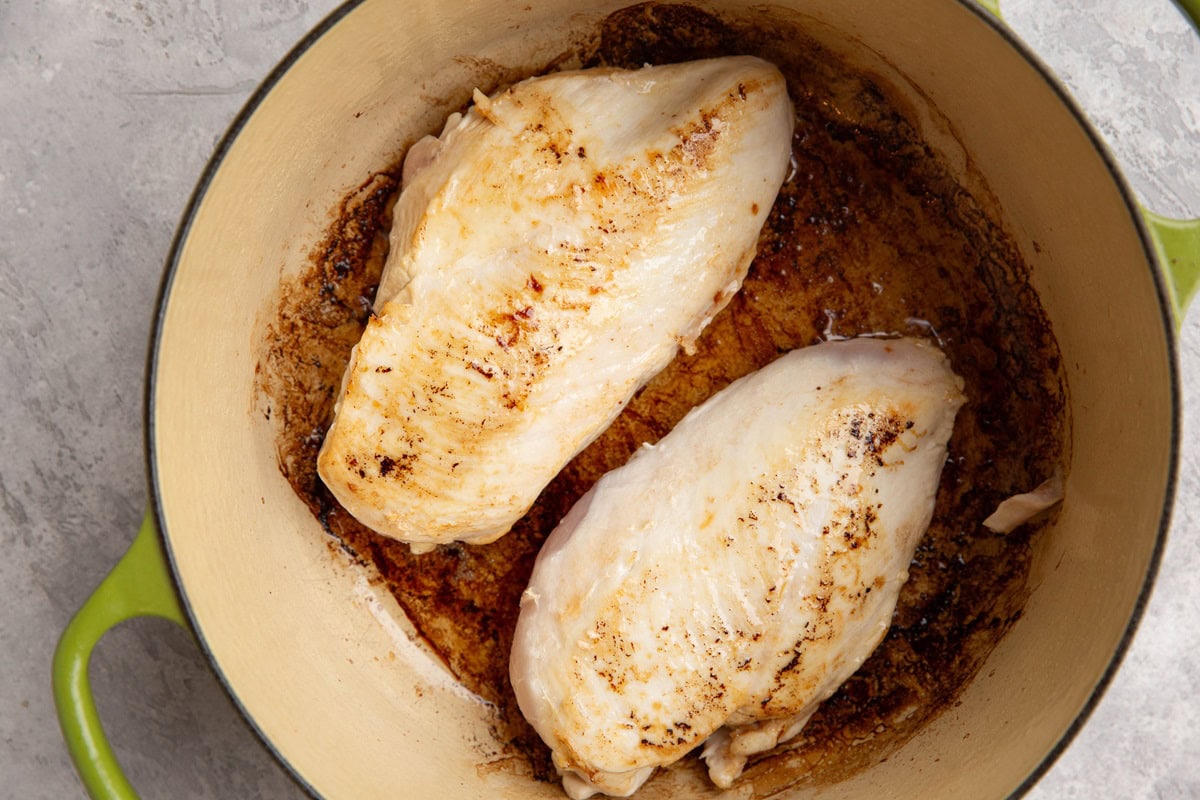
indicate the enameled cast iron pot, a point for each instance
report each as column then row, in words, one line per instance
column 249, row 569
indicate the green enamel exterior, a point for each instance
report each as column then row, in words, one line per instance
column 1192, row 9
column 993, row 6
column 1178, row 245
column 140, row 585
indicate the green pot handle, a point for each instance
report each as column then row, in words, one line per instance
column 1176, row 241
column 140, row 585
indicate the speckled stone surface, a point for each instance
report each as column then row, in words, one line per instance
column 108, row 113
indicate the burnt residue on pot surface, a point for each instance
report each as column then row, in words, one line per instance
column 871, row 234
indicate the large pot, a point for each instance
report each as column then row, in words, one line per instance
column 292, row 640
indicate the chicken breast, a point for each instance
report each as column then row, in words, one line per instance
column 551, row 252
column 728, row 579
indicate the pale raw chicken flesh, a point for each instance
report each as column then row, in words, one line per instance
column 551, row 252
column 728, row 579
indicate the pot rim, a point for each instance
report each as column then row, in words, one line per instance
column 268, row 84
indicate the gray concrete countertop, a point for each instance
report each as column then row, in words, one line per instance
column 108, row 113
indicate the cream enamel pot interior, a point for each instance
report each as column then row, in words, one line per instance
column 297, row 634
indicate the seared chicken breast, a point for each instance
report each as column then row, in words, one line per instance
column 551, row 251
column 725, row 581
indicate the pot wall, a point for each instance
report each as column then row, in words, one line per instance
column 319, row 659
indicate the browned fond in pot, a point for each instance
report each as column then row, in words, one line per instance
column 870, row 234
